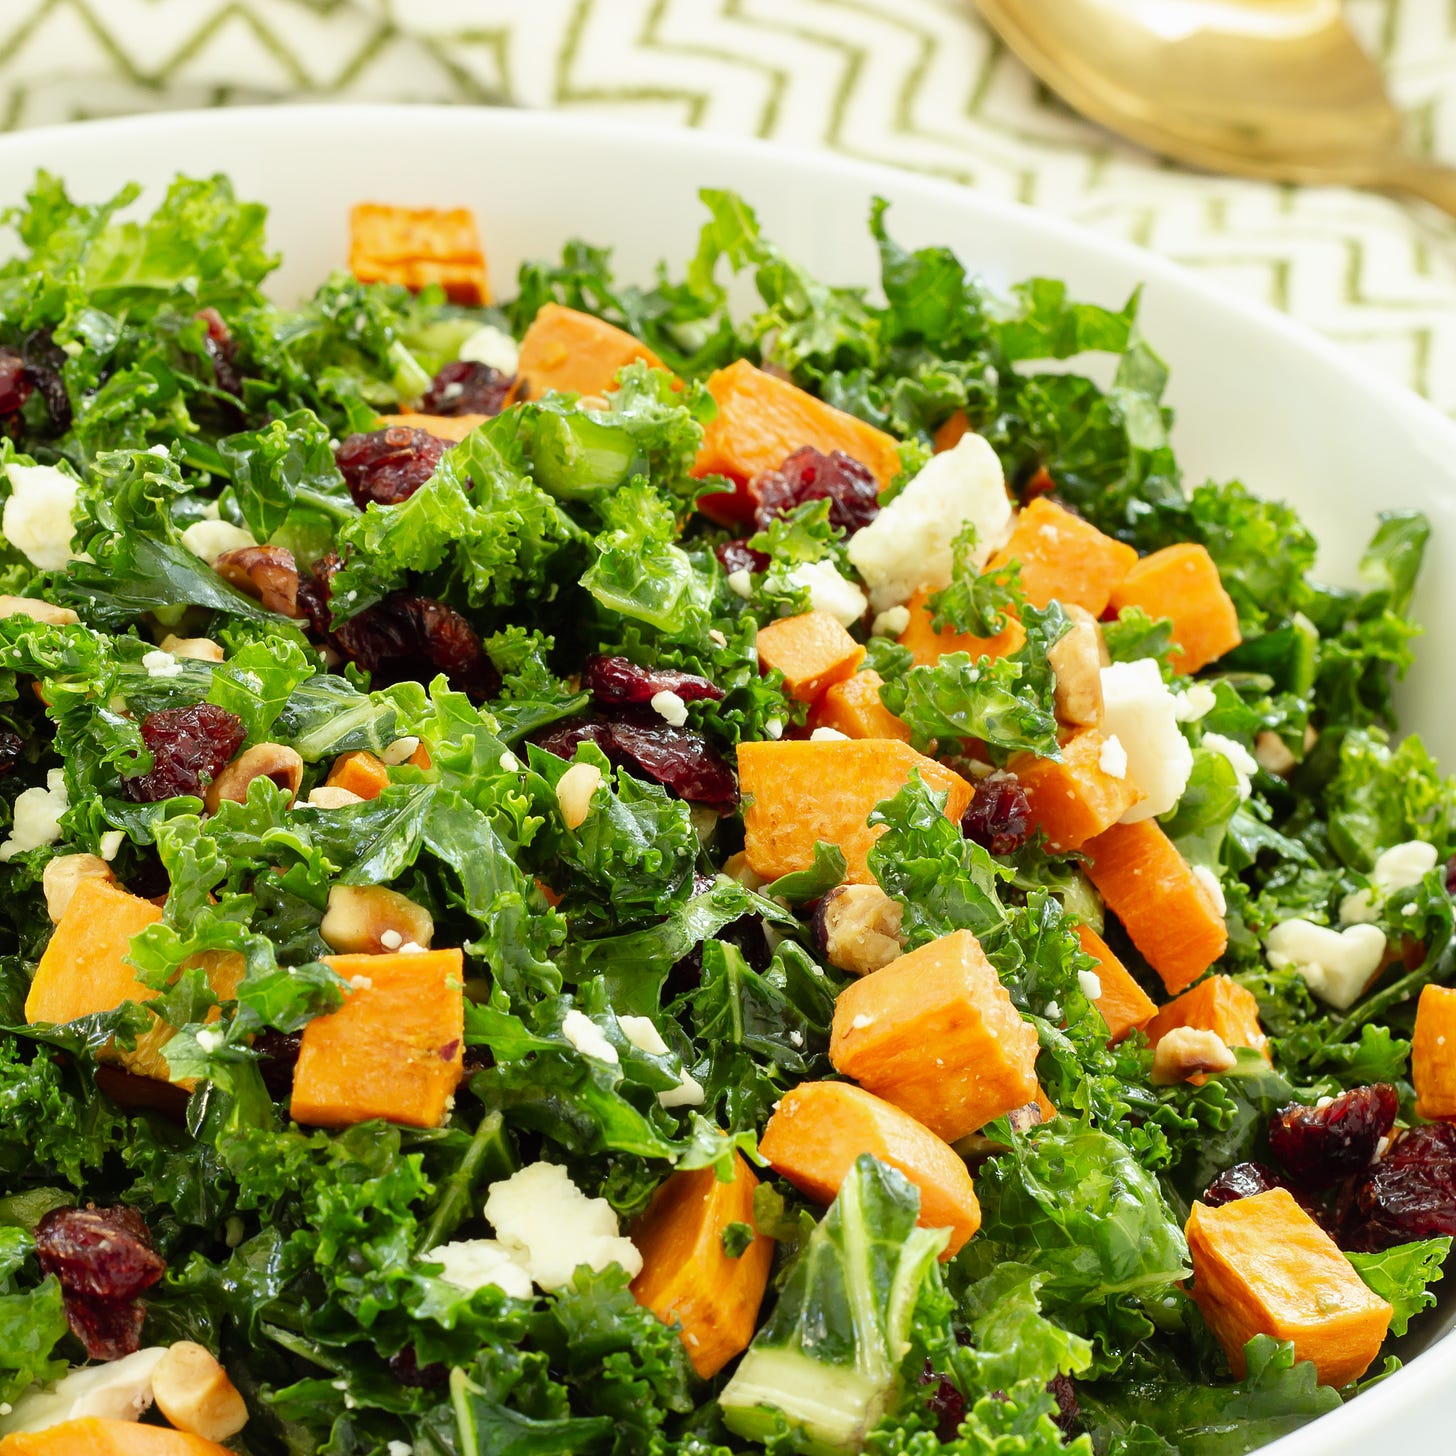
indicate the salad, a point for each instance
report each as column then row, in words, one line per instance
column 591, row 873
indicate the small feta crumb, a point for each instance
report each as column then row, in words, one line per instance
column 1194, row 702
column 160, row 451
column 361, row 983
column 1337, row 965
column 209, row 1041
column 796, row 1038
column 642, row 1032
column 587, row 1037
column 399, row 1448
column 773, row 728
column 1212, row 887
column 670, row 708
column 111, row 843
column 37, row 817
column 1053, row 1011
column 509, row 763
column 827, row 735
column 1091, row 984
column 1138, row 711
column 37, row 519
column 1410, row 910
column 1401, row 867
column 716, row 637
column 891, row 622
column 412, row 947
column 829, row 592
column 494, row 347
column 740, row 582
column 1244, row 764
column 398, row 752
column 210, row 539
column 475, row 1263
column 1113, row 758
column 161, row 664
column 391, row 939
column 688, row 1093
column 861, row 1021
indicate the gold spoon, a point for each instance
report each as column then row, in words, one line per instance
column 1279, row 89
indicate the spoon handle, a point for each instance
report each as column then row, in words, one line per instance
column 1433, row 182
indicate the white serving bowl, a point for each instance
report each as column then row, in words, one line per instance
column 1257, row 396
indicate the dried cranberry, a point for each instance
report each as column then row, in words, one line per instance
column 1321, row 1145
column 1451, row 875
column 807, row 475
column 1243, row 1180
column 1040, row 484
column 12, row 745
column 467, row 388
column 110, row 1329
column 738, row 555
column 44, row 361
column 105, row 1253
column 222, row 350
column 563, row 738
column 277, row 1053
column 189, row 748
column 15, row 387
column 1069, row 1412
column 620, row 680
column 682, row 761
column 406, row 1368
column 944, row 1402
column 1409, row 1194
column 385, row 467
column 999, row 816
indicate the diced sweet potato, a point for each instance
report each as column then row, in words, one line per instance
column 1149, row 886
column 360, row 773
column 420, row 758
column 951, row 431
column 820, row 1128
column 1433, row 1053
column 927, row 646
column 1064, row 558
column 762, row 420
column 1044, row 1104
column 443, row 427
column 797, row 793
column 417, row 246
column 100, row 1436
column 394, row 1048
column 935, row 1033
column 1076, row 799
column 812, row 650
column 1263, row 1266
column 688, row 1278
column 1182, row 584
column 576, row 353
column 1217, row 1004
column 853, row 707
column 1124, row 1005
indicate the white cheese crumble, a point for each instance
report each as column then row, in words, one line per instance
column 110, row 844
column 399, row 1448
column 551, row 1227
column 642, row 1032
column 587, row 1037
column 861, row 1021
column 361, row 983
column 829, row 592
column 891, row 622
column 1113, row 758
column 1194, row 702
column 391, row 939
column 161, row 664
column 827, row 735
column 1212, row 886
column 910, row 543
column 1336, row 965
column 119, row 1390
column 1053, row 1011
column 509, row 763
column 37, row 519
column 740, row 582
column 1243, row 763
column 1401, row 867
column 492, row 346
column 37, row 817
column 1091, row 984
column 475, row 1263
column 209, row 539
column 773, row 728
column 412, row 947
column 670, row 708
column 1138, row 710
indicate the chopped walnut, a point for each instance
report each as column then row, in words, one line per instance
column 1077, row 661
column 40, row 611
column 64, row 873
column 1186, row 1053
column 194, row 1393
column 269, row 574
column 199, row 649
column 370, row 920
column 274, row 761
column 859, row 928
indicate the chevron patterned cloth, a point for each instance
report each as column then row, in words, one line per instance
column 916, row 83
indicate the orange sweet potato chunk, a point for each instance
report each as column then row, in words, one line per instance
column 1433, row 1053
column 927, row 646
column 1263, row 1266
column 1149, row 886
column 392, row 1050
column 417, row 246
column 820, row 1128
column 1182, row 584
column 443, row 427
column 1064, row 558
column 360, row 773
column 799, row 792
column 853, row 707
column 1124, row 1005
column 812, row 650
column 576, row 353
column 762, row 420
column 100, row 1436
column 935, row 1033
column 1217, row 1004
column 688, row 1278
column 952, row 430
column 1076, row 799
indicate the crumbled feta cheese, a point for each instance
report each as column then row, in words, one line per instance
column 361, row 983
column 891, row 622
column 209, row 539
column 551, row 1227
column 670, row 708
column 642, row 1032
column 492, row 346
column 412, row 947
column 161, row 664
column 37, row 516
column 1337, row 965
column 1401, row 867
column 1053, row 1011
column 827, row 735
column 1091, row 984
column 1194, row 702
column 740, row 582
column 773, row 728
column 391, row 939
column 37, row 817
column 909, row 545
column 796, row 1038
column 475, row 1263
column 688, row 1093
column 209, row 1041
column 1138, row 710
column 398, row 752
column 587, row 1037
column 1113, row 758
column 509, row 763
column 118, row 1390
column 1243, row 763
column 861, row 1021
column 111, row 843
column 829, row 592
column 399, row 1448
column 1212, row 886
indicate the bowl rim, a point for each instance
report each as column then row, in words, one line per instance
column 1428, row 1373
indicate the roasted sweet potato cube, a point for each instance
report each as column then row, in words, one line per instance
column 799, row 792
column 1217, row 1004
column 1064, row 558
column 417, row 246
column 576, row 353
column 1433, row 1053
column 927, row 646
column 688, row 1278
column 393, row 1050
column 1182, row 583
column 1124, row 1005
column 1077, row 799
column 360, row 773
column 812, row 650
column 820, row 1128
column 935, row 1033
column 102, row 1436
column 853, row 707
column 1263, row 1266
column 443, row 427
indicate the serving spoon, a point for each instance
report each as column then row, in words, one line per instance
column 1279, row 89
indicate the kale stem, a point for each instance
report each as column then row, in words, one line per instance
column 454, row 1201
